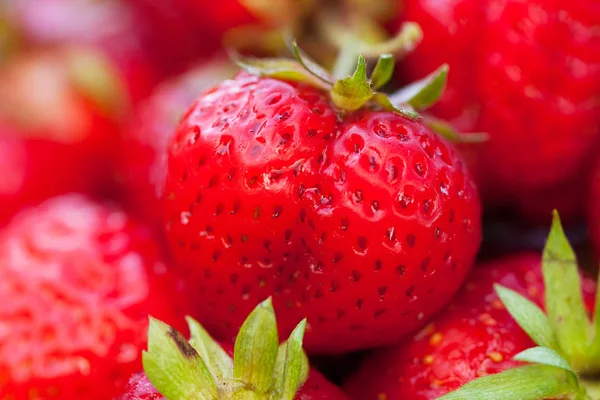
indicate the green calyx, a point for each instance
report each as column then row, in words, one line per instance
column 95, row 78
column 357, row 90
column 566, row 362
column 199, row 369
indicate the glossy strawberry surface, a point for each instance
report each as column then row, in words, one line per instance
column 366, row 224
column 317, row 387
column 78, row 282
column 528, row 74
column 143, row 161
column 474, row 336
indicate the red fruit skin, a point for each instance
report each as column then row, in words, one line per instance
column 594, row 208
column 528, row 74
column 366, row 225
column 78, row 282
column 317, row 387
column 53, row 138
column 474, row 336
column 143, row 160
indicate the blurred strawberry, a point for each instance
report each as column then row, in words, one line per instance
column 143, row 160
column 113, row 28
column 528, row 74
column 59, row 120
column 78, row 282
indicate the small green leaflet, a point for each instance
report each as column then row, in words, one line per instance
column 295, row 366
column 311, row 66
column 217, row 360
column 278, row 68
column 384, row 69
column 529, row 317
column 545, row 356
column 174, row 367
column 531, row 382
column 564, row 302
column 255, row 350
column 407, row 38
column 423, row 93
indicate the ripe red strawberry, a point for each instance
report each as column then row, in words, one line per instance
column 594, row 208
column 58, row 128
column 528, row 74
column 78, row 281
column 257, row 368
column 476, row 336
column 365, row 222
column 143, row 159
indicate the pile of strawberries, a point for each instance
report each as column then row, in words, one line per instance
column 184, row 183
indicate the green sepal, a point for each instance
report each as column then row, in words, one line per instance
column 174, row 367
column 385, row 103
column 255, row 350
column 423, row 93
column 278, row 68
column 216, row 359
column 353, row 92
column 404, row 41
column 529, row 316
column 530, row 382
column 95, row 78
column 311, row 66
column 447, row 131
column 295, row 368
column 545, row 356
column 564, row 302
column 383, row 71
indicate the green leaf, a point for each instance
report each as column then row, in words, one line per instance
column 216, row 359
column 255, row 350
column 384, row 69
column 529, row 317
column 384, row 102
column 531, row 382
column 278, row 68
column 423, row 93
column 311, row 66
column 447, row 131
column 296, row 363
column 545, row 356
column 174, row 367
column 407, row 38
column 564, row 302
column 94, row 77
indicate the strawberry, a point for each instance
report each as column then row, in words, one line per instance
column 78, row 281
column 217, row 373
column 489, row 331
column 350, row 213
column 528, row 74
column 594, row 208
column 61, row 138
column 141, row 60
column 143, row 158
